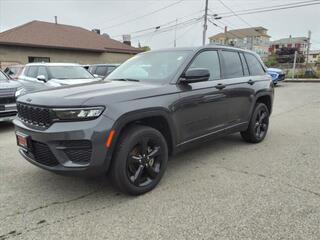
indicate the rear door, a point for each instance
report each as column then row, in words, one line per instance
column 238, row 90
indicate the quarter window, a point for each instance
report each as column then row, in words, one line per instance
column 232, row 64
column 208, row 60
column 254, row 64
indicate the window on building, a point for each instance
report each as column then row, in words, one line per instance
column 38, row 59
column 254, row 64
column 210, row 61
column 232, row 67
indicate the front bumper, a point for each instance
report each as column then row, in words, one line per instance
column 68, row 147
column 9, row 113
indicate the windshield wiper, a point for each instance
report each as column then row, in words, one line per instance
column 126, row 79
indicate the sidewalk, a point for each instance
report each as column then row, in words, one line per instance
column 315, row 80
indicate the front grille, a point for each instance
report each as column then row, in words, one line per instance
column 39, row 116
column 43, row 155
column 7, row 114
column 7, row 96
column 7, row 100
column 77, row 151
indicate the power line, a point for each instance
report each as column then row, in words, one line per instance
column 142, row 16
column 160, row 25
column 234, row 13
column 250, row 11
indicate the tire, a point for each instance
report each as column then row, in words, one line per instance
column 140, row 160
column 258, row 126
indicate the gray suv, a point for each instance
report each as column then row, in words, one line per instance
column 152, row 106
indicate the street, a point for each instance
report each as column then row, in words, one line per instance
column 225, row 189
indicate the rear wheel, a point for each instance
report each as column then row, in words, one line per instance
column 258, row 126
column 140, row 160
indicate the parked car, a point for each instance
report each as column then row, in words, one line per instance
column 102, row 70
column 39, row 76
column 276, row 74
column 152, row 106
column 14, row 71
column 9, row 90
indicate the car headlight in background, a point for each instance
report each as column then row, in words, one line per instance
column 78, row 114
column 19, row 92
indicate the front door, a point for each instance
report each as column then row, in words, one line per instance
column 200, row 109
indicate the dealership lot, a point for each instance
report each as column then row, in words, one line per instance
column 226, row 189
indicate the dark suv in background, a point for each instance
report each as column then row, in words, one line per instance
column 102, row 70
column 152, row 106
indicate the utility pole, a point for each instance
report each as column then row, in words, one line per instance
column 175, row 35
column 294, row 64
column 308, row 48
column 205, row 24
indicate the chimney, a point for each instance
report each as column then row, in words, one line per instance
column 56, row 19
column 97, row 31
column 225, row 29
column 127, row 39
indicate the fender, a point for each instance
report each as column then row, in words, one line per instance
column 129, row 117
column 262, row 93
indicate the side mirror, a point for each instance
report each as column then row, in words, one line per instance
column 195, row 75
column 42, row 78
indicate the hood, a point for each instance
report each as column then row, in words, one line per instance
column 277, row 70
column 97, row 93
column 9, row 84
column 63, row 82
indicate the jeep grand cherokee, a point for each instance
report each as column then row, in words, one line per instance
column 152, row 106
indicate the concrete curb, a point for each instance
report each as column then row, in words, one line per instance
column 302, row 80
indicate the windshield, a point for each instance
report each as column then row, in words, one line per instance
column 69, row 72
column 150, row 66
column 3, row 77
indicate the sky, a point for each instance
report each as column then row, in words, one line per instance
column 118, row 17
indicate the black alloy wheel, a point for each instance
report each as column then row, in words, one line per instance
column 144, row 162
column 258, row 126
column 140, row 160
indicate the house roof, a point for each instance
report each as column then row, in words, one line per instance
column 60, row 36
column 242, row 33
column 290, row 40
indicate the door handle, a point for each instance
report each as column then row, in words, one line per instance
column 251, row 82
column 220, row 86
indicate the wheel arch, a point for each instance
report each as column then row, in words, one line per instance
column 157, row 118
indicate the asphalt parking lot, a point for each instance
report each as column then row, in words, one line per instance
column 226, row 189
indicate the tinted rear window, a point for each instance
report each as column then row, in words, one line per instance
column 232, row 64
column 254, row 64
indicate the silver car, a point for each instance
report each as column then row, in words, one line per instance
column 9, row 90
column 39, row 76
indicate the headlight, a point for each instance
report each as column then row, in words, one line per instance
column 78, row 114
column 19, row 92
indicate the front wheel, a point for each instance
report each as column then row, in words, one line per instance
column 140, row 160
column 258, row 125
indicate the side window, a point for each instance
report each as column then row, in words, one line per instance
column 244, row 65
column 232, row 67
column 43, row 71
column 110, row 69
column 101, row 70
column 254, row 64
column 210, row 61
column 32, row 72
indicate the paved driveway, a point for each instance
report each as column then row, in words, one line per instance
column 226, row 189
